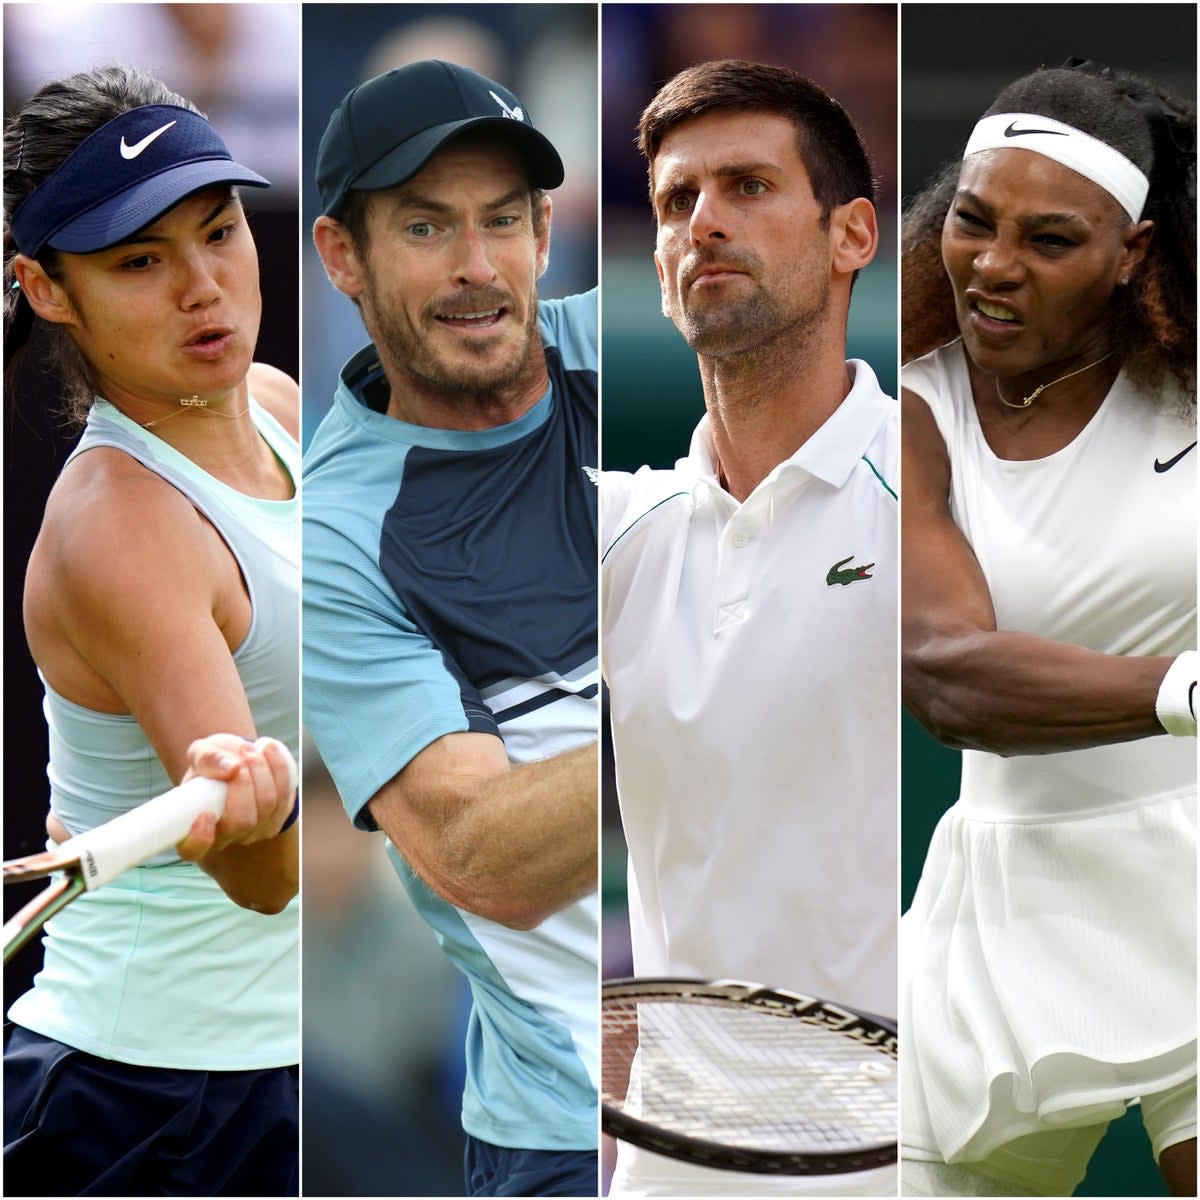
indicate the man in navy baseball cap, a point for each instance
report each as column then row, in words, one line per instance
column 389, row 127
column 450, row 650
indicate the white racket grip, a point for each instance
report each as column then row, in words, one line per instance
column 135, row 836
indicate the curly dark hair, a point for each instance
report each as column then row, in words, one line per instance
column 37, row 141
column 1154, row 318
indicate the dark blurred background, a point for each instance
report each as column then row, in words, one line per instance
column 214, row 55
column 954, row 61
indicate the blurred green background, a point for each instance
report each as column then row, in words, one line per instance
column 652, row 397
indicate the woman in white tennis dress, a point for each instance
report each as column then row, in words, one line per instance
column 1049, row 625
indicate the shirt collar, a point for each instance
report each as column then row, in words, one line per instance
column 365, row 369
column 831, row 454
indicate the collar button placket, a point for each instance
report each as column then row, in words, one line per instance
column 735, row 572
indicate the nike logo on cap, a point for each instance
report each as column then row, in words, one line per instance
column 137, row 147
column 1013, row 131
column 1160, row 467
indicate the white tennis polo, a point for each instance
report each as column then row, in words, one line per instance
column 750, row 650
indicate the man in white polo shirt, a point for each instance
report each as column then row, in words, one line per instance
column 749, row 594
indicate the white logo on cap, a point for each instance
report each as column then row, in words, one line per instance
column 515, row 113
column 137, row 147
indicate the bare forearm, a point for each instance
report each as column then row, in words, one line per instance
column 1012, row 693
column 249, row 852
column 514, row 845
column 532, row 835
column 264, row 876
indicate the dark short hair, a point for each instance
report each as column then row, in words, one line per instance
column 37, row 140
column 829, row 144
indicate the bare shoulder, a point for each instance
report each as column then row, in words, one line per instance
column 278, row 393
column 922, row 438
column 109, row 519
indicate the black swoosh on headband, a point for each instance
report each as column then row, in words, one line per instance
column 1013, row 131
column 1160, row 467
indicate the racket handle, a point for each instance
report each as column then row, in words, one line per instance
column 141, row 833
column 151, row 828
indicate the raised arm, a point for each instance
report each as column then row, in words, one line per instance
column 134, row 604
column 971, row 685
column 514, row 844
column 413, row 748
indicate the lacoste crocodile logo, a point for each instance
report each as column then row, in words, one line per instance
column 840, row 573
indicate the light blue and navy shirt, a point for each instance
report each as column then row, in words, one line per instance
column 450, row 586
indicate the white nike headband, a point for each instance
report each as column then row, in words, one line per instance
column 1082, row 153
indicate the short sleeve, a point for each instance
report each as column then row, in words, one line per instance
column 571, row 325
column 377, row 691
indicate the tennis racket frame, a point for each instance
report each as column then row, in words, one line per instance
column 877, row 1034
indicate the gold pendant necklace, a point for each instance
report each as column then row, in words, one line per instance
column 186, row 402
column 1037, row 391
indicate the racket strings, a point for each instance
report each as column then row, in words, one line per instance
column 707, row 1069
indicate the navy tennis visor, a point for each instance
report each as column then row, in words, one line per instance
column 123, row 177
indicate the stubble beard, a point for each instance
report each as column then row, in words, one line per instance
column 754, row 328
column 462, row 383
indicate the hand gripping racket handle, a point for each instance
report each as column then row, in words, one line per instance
column 135, row 836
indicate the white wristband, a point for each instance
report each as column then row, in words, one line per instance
column 1176, row 703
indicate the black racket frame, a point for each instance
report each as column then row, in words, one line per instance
column 877, row 1034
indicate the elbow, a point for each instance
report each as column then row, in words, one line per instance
column 521, row 917
column 270, row 902
column 268, row 893
column 274, row 904
column 470, row 874
column 938, row 691
column 494, row 899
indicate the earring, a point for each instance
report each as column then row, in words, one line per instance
column 1123, row 281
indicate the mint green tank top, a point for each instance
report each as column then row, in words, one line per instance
column 160, row 968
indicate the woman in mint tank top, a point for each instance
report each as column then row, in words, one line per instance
column 156, row 1052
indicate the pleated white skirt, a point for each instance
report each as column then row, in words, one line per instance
column 1048, row 973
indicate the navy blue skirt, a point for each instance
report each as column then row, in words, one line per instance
column 78, row 1125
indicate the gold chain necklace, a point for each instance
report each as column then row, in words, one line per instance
column 186, row 402
column 1037, row 391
